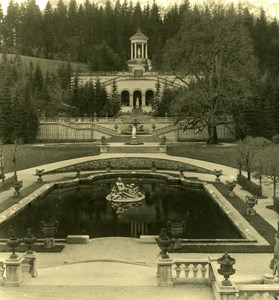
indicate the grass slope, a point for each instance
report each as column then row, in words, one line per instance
column 50, row 65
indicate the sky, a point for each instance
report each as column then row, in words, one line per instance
column 270, row 6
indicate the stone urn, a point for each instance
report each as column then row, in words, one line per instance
column 39, row 173
column 13, row 243
column 104, row 140
column 181, row 173
column 18, row 184
column 217, row 173
column 78, row 170
column 176, row 230
column 49, row 229
column 231, row 184
column 164, row 242
column 226, row 269
column 251, row 201
column 29, row 240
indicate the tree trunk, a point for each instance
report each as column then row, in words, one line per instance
column 248, row 175
column 275, row 201
column 212, row 130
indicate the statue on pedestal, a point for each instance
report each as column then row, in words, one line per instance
column 137, row 102
column 134, row 132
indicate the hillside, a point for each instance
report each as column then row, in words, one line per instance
column 51, row 65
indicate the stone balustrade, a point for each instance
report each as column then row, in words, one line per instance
column 205, row 271
column 257, row 292
column 186, row 271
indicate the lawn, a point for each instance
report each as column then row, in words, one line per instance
column 50, row 65
column 29, row 156
column 224, row 154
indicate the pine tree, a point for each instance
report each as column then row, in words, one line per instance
column 114, row 102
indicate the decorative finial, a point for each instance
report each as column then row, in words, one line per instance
column 138, row 31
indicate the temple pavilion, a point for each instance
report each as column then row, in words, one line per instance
column 137, row 85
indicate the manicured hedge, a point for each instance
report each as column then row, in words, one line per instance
column 248, row 185
column 133, row 163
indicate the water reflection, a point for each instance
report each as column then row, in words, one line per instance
column 85, row 210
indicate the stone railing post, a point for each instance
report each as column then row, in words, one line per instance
column 32, row 259
column 2, row 270
column 164, row 271
column 13, row 271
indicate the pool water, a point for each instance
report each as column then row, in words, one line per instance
column 85, row 211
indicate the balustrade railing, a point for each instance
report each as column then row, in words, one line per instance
column 257, row 292
column 165, row 129
column 205, row 271
column 186, row 271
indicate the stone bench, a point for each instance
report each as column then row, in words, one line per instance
column 77, row 239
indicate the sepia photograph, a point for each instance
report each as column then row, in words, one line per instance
column 139, row 149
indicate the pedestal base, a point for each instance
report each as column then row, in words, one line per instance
column 13, row 272
column 165, row 272
column 49, row 243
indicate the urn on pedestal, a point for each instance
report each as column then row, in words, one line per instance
column 164, row 242
column 231, row 184
column 29, row 240
column 176, row 230
column 49, row 229
column 251, row 202
column 13, row 243
column 217, row 173
column 226, row 263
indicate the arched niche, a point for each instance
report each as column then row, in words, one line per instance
column 125, row 98
column 137, row 99
column 149, row 97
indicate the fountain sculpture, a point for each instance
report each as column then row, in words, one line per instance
column 124, row 196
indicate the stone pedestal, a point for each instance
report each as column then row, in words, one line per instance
column 250, row 211
column 13, row 272
column 49, row 243
column 103, row 148
column 269, row 279
column 162, row 148
column 231, row 194
column 32, row 258
column 134, row 141
column 165, row 272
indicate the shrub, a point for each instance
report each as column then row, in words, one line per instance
column 248, row 185
column 275, row 139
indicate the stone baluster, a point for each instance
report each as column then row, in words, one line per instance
column 195, row 270
column 187, row 270
column 203, row 270
column 178, row 270
column 2, row 270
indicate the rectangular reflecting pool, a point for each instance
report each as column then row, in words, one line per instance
column 85, row 210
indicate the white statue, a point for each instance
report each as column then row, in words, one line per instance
column 137, row 102
column 139, row 53
column 134, row 132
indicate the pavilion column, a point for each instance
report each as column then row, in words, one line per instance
column 135, row 50
column 143, row 100
column 142, row 51
column 132, row 44
column 146, row 51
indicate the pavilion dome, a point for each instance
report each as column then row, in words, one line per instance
column 139, row 36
